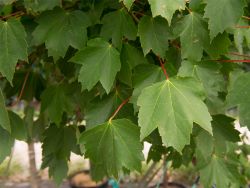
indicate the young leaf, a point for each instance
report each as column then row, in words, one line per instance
column 194, row 36
column 154, row 34
column 100, row 62
column 173, row 106
column 103, row 145
column 122, row 25
column 13, row 46
column 166, row 8
column 64, row 30
column 223, row 14
column 239, row 96
column 4, row 117
column 56, row 100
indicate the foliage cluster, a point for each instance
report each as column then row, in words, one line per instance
column 100, row 77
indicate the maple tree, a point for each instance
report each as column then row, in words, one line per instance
column 163, row 71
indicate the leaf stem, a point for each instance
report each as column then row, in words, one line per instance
column 15, row 14
column 238, row 54
column 233, row 61
column 246, row 17
column 242, row 26
column 118, row 109
column 22, row 90
column 163, row 68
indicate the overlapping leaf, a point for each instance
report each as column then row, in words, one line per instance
column 173, row 106
column 13, row 46
column 56, row 99
column 103, row 145
column 154, row 34
column 223, row 14
column 4, row 117
column 100, row 62
column 122, row 25
column 144, row 76
column 239, row 95
column 130, row 58
column 64, row 30
column 6, row 144
column 57, row 145
column 166, row 8
column 41, row 5
column 194, row 36
column 128, row 3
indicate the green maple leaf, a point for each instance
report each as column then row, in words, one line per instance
column 103, row 145
column 13, row 46
column 122, row 25
column 57, row 146
column 100, row 62
column 239, row 95
column 41, row 5
column 223, row 14
column 64, row 30
column 219, row 172
column 128, row 3
column 166, row 8
column 194, row 35
column 56, row 99
column 154, row 34
column 173, row 106
column 6, row 144
column 4, row 117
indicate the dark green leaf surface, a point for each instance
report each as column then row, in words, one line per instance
column 154, row 34
column 4, row 117
column 56, row 100
column 121, row 26
column 103, row 145
column 6, row 144
column 64, row 30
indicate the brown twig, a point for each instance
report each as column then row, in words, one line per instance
column 15, row 14
column 22, row 90
column 246, row 17
column 238, row 54
column 118, row 109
